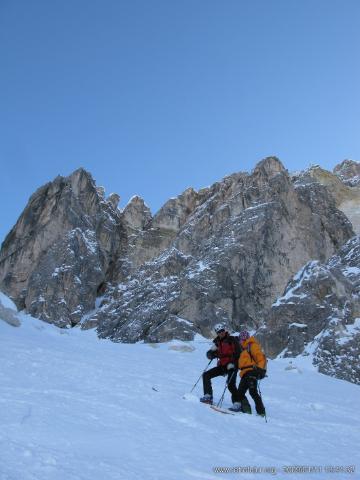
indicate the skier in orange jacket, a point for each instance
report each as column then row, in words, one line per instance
column 252, row 366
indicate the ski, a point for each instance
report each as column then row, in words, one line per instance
column 222, row 410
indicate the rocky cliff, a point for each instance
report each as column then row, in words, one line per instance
column 349, row 172
column 225, row 252
column 343, row 185
column 56, row 258
column 319, row 314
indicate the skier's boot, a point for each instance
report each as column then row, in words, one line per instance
column 207, row 398
column 236, row 407
column 245, row 406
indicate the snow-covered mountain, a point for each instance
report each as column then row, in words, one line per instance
column 223, row 253
column 78, row 408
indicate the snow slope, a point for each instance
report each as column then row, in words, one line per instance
column 74, row 407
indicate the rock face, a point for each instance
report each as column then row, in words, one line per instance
column 343, row 185
column 137, row 214
column 319, row 313
column 57, row 256
column 349, row 172
column 8, row 312
column 224, row 252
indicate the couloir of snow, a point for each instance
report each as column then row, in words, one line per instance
column 74, row 407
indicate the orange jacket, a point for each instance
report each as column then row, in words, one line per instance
column 251, row 355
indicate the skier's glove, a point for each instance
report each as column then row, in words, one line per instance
column 230, row 366
column 259, row 372
column 211, row 354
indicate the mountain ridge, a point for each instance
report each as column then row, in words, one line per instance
column 222, row 253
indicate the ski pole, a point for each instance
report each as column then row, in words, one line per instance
column 207, row 366
column 258, row 386
column 219, row 404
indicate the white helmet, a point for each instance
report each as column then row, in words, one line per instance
column 219, row 327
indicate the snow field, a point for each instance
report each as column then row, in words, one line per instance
column 74, row 407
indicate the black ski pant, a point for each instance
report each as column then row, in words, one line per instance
column 216, row 372
column 249, row 382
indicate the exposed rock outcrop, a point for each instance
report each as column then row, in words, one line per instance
column 349, row 172
column 8, row 312
column 319, row 313
column 227, row 253
column 137, row 214
column 57, row 255
column 344, row 186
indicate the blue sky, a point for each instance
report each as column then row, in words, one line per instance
column 154, row 96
